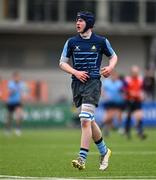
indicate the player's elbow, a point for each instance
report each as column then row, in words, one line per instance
column 61, row 64
column 114, row 58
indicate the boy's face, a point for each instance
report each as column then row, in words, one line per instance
column 80, row 25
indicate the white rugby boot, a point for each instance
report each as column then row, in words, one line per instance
column 104, row 160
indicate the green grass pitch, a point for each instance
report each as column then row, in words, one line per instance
column 48, row 153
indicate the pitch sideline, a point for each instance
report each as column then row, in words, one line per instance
column 72, row 178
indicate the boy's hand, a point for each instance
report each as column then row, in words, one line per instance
column 81, row 75
column 106, row 71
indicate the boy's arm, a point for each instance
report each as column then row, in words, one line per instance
column 81, row 75
column 106, row 71
column 110, row 53
column 67, row 68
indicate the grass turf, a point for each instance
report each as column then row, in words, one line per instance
column 48, row 153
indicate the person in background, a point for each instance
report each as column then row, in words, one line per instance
column 149, row 85
column 1, row 89
column 112, row 92
column 14, row 103
column 134, row 97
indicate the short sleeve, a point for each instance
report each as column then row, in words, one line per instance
column 66, row 53
column 107, row 49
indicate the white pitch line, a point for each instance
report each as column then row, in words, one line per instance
column 123, row 153
column 72, row 178
column 130, row 152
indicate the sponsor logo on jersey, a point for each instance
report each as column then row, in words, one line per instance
column 77, row 48
column 93, row 48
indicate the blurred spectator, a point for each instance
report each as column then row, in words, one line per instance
column 1, row 89
column 62, row 100
column 38, row 90
column 149, row 85
column 134, row 97
column 14, row 103
column 75, row 116
column 112, row 91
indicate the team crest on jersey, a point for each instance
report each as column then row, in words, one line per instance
column 77, row 48
column 93, row 48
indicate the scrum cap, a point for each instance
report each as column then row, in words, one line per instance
column 88, row 17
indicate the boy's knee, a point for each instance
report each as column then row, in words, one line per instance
column 85, row 123
column 87, row 112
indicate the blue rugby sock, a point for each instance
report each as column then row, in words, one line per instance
column 83, row 153
column 101, row 146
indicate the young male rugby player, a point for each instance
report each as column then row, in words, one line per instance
column 86, row 50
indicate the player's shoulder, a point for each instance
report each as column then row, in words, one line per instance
column 100, row 37
column 73, row 38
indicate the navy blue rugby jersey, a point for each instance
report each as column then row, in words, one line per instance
column 87, row 54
